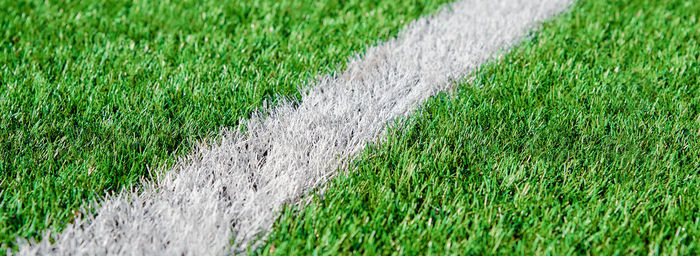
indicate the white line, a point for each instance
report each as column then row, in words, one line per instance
column 231, row 190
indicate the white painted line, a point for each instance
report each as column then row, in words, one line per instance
column 232, row 190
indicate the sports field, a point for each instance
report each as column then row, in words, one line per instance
column 345, row 127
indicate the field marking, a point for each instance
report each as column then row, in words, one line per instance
column 232, row 189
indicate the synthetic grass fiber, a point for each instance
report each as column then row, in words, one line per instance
column 94, row 93
column 584, row 140
column 230, row 189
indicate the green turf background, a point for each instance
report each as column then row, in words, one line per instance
column 583, row 140
column 93, row 93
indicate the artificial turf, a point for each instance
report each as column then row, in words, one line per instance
column 585, row 139
column 94, row 93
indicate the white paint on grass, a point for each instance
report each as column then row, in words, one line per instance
column 230, row 190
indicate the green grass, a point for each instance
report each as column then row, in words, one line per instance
column 583, row 140
column 93, row 93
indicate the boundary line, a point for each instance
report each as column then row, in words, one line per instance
column 230, row 190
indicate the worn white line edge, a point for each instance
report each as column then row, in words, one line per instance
column 225, row 194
